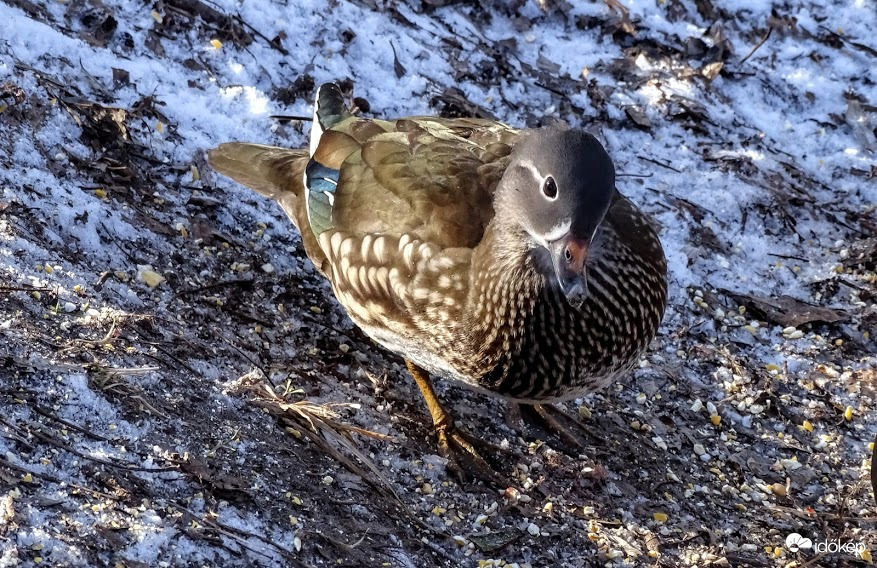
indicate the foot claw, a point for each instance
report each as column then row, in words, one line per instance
column 464, row 454
column 462, row 450
column 564, row 431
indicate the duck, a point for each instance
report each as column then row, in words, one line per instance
column 502, row 259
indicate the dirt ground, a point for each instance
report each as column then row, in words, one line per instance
column 179, row 388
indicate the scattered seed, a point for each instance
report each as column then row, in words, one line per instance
column 150, row 277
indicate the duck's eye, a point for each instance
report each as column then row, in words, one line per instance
column 549, row 188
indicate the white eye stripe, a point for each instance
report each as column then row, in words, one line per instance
column 557, row 231
column 533, row 169
column 538, row 175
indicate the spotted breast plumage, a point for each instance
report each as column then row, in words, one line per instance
column 504, row 259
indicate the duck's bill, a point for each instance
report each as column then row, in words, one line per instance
column 569, row 254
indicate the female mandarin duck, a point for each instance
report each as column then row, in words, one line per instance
column 503, row 259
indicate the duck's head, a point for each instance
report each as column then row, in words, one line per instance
column 558, row 187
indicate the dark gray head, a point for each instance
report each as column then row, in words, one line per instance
column 558, row 188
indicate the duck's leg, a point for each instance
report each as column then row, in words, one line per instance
column 461, row 449
column 568, row 431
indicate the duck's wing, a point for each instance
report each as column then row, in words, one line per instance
column 430, row 178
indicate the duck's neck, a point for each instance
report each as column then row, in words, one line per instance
column 505, row 288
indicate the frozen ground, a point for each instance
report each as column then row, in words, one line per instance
column 178, row 387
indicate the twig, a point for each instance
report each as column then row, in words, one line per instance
column 43, row 412
column 245, row 356
column 342, row 544
column 101, row 342
column 788, row 256
column 24, row 289
column 290, row 117
column 53, row 479
column 757, row 45
column 659, row 163
column 272, row 43
column 228, row 532
column 315, row 423
column 634, row 175
column 857, row 45
column 172, row 356
column 62, row 446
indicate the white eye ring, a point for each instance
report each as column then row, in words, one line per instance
column 549, row 188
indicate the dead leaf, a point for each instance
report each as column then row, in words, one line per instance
column 224, row 485
column 491, row 542
column 712, row 70
column 695, row 47
column 547, row 65
column 121, row 78
column 786, row 310
column 637, row 115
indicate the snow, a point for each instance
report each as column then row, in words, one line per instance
column 787, row 104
